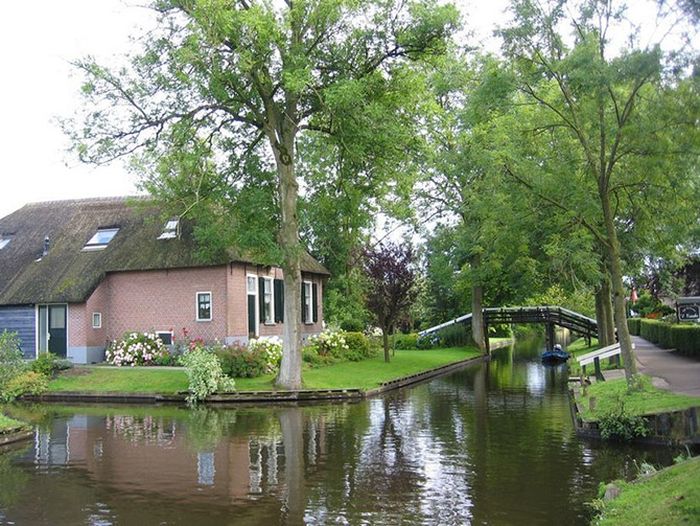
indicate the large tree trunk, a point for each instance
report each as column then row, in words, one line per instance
column 289, row 376
column 477, row 305
column 608, row 310
column 618, row 289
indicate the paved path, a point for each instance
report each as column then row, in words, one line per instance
column 670, row 370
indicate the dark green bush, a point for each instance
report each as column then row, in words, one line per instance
column 650, row 330
column 633, row 325
column 686, row 339
column 45, row 364
column 239, row 362
column 622, row 426
column 456, row 335
column 352, row 325
column 311, row 356
column 28, row 382
column 406, row 341
column 359, row 347
column 429, row 341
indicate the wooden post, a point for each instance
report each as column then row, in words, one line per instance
column 550, row 336
column 598, row 373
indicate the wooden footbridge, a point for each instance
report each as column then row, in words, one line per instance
column 550, row 316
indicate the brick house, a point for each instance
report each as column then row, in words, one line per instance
column 75, row 275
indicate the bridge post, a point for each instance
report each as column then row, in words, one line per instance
column 550, row 336
column 487, row 344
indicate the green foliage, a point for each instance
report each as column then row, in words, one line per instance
column 28, row 382
column 352, row 325
column 205, row 375
column 49, row 364
column 406, row 341
column 621, row 426
column 239, row 362
column 270, row 347
column 359, row 347
column 11, row 360
column 685, row 338
column 634, row 325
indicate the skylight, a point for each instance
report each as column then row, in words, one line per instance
column 4, row 241
column 101, row 238
column 170, row 230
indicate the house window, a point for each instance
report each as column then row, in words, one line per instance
column 101, row 238
column 268, row 301
column 307, row 302
column 165, row 336
column 96, row 320
column 204, row 306
column 170, row 229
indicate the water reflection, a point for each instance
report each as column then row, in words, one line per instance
column 491, row 444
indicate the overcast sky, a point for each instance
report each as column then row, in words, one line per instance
column 38, row 40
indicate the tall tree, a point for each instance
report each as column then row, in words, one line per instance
column 217, row 80
column 617, row 130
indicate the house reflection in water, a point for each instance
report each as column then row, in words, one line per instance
column 146, row 454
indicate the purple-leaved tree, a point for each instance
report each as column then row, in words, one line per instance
column 391, row 285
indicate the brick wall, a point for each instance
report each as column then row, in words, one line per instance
column 161, row 300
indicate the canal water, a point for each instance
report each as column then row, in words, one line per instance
column 490, row 444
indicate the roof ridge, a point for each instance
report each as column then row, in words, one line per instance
column 85, row 200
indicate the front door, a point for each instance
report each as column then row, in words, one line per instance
column 52, row 329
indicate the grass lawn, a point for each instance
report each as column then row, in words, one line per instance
column 647, row 400
column 670, row 497
column 8, row 425
column 363, row 375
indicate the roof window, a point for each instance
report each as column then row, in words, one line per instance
column 101, row 238
column 170, row 229
column 4, row 240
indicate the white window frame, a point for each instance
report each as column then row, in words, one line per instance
column 170, row 229
column 211, row 305
column 94, row 245
column 99, row 323
column 267, row 280
column 309, row 302
column 158, row 333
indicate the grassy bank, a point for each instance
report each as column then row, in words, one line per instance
column 669, row 497
column 8, row 425
column 580, row 347
column 648, row 399
column 366, row 374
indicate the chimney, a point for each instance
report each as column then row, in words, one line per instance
column 46, row 246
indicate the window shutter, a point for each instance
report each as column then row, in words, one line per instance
column 303, row 303
column 314, row 301
column 261, row 299
column 279, row 301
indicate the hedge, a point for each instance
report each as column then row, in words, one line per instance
column 685, row 338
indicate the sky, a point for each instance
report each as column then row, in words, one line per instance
column 38, row 41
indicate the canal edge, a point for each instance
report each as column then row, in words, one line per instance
column 261, row 397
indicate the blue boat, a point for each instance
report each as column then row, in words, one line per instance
column 556, row 355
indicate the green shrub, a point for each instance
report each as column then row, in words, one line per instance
column 455, row 335
column 621, row 426
column 428, row 341
column 311, row 356
column 358, row 347
column 330, row 342
column 271, row 348
column 352, row 325
column 239, row 362
column 205, row 375
column 649, row 330
column 406, row 341
column 686, row 339
column 29, row 382
column 45, row 364
column 633, row 326
column 11, row 359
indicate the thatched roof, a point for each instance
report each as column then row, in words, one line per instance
column 67, row 273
